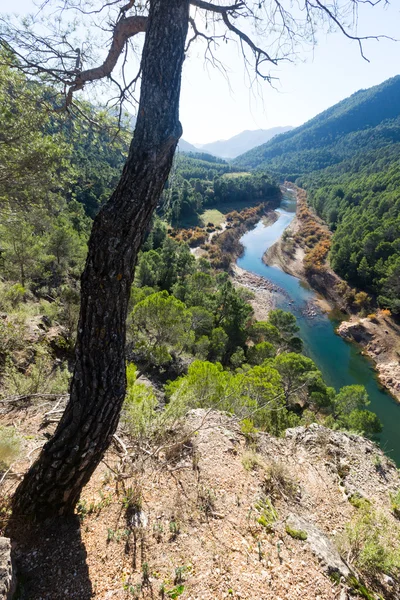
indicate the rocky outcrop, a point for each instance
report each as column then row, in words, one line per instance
column 355, row 331
column 7, row 576
column 320, row 545
column 379, row 337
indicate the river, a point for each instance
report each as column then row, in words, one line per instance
column 340, row 362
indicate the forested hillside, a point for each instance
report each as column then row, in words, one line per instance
column 368, row 118
column 348, row 159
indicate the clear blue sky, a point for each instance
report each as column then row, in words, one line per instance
column 211, row 109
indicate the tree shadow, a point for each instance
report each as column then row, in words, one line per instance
column 50, row 559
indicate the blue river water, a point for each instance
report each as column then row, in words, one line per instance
column 340, row 362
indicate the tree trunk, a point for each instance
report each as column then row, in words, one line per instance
column 53, row 484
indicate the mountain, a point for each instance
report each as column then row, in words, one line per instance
column 184, row 146
column 364, row 120
column 242, row 142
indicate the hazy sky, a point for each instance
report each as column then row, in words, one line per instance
column 211, row 109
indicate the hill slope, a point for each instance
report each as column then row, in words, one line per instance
column 367, row 118
column 242, row 142
column 220, row 521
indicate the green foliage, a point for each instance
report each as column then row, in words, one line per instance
column 175, row 592
column 251, row 460
column 160, row 323
column 267, row 514
column 10, row 446
column 371, row 543
column 395, row 503
column 139, row 413
column 200, row 180
column 349, row 407
column 41, row 377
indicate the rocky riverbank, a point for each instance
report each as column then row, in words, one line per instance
column 263, row 291
column 379, row 337
column 284, row 255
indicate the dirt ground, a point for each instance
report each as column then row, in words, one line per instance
column 187, row 519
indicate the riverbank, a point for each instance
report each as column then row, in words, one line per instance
column 263, row 291
column 284, row 255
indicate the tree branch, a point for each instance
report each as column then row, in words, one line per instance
column 124, row 30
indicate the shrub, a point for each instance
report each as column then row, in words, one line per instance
column 252, row 460
column 278, row 481
column 41, row 377
column 371, row 543
column 395, row 503
column 10, row 446
column 139, row 411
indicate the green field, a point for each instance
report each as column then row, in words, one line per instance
column 212, row 215
column 235, row 175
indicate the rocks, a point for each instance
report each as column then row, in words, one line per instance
column 256, row 282
column 354, row 330
column 7, row 575
column 320, row 545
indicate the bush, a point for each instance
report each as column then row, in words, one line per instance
column 10, row 446
column 139, row 410
column 395, row 503
column 371, row 543
column 41, row 377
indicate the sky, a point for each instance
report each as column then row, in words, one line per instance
column 213, row 109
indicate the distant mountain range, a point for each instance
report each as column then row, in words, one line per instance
column 231, row 148
column 367, row 120
column 240, row 143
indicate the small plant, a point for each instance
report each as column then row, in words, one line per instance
column 145, row 573
column 206, row 500
column 176, row 592
column 251, row 460
column 267, row 514
column 278, row 481
column 133, row 589
column 132, row 500
column 158, row 530
column 110, row 534
column 174, row 528
column 248, row 430
column 179, row 574
column 297, row 534
column 377, row 460
column 279, row 550
column 358, row 501
column 395, row 503
column 260, row 552
column 10, row 446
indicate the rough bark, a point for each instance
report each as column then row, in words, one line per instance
column 53, row 484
